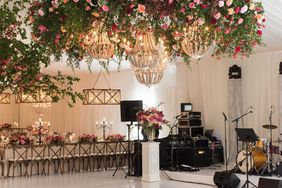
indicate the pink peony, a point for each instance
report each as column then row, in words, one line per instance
column 217, row 15
column 105, row 8
column 40, row 12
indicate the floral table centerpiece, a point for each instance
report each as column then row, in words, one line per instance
column 86, row 138
column 20, row 139
column 55, row 139
column 151, row 120
column 115, row 137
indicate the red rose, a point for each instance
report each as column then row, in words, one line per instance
column 204, row 6
column 213, row 21
column 259, row 32
column 237, row 10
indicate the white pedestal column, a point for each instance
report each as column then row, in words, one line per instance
column 150, row 162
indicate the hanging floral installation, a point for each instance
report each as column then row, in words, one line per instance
column 101, row 29
column 21, row 62
column 234, row 26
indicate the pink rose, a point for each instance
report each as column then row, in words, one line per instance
column 55, row 3
column 42, row 28
column 164, row 26
column 170, row 1
column 192, row 5
column 40, row 12
column 197, row 2
column 105, row 8
column 87, row 8
column 217, row 15
column 141, row 8
column 182, row 9
column 240, row 21
column 88, row 1
column 65, row 1
column 75, row 1
column 244, row 9
column 221, row 3
column 229, row 2
column 227, row 31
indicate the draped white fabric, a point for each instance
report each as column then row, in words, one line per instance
column 235, row 110
column 205, row 85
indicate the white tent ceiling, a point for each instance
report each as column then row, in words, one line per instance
column 272, row 38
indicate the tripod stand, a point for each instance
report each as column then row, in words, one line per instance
column 247, row 136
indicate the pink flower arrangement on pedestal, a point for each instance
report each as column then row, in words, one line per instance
column 151, row 118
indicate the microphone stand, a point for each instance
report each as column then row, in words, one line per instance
column 225, row 141
column 237, row 124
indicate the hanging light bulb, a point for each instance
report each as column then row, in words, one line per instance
column 144, row 53
column 97, row 43
column 197, row 41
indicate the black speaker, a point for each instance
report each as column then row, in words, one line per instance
column 269, row 183
column 226, row 179
column 128, row 109
column 199, row 157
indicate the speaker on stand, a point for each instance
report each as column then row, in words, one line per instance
column 128, row 110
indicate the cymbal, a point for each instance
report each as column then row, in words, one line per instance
column 269, row 126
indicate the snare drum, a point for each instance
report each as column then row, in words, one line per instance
column 257, row 159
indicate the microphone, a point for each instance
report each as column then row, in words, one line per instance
column 224, row 116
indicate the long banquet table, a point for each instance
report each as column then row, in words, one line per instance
column 27, row 160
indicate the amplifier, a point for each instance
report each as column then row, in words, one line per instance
column 195, row 122
column 195, row 115
column 199, row 157
column 201, row 142
column 196, row 131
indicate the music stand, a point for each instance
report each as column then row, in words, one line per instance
column 247, row 135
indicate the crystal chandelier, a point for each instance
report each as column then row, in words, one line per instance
column 144, row 53
column 98, row 45
column 151, row 76
column 40, row 108
column 196, row 42
column 5, row 98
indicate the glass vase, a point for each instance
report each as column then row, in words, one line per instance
column 150, row 134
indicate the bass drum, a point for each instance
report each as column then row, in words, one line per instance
column 257, row 159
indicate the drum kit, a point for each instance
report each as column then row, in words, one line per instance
column 260, row 155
